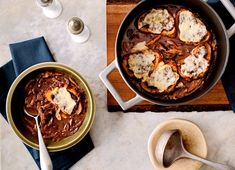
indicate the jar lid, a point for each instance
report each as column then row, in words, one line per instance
column 75, row 25
column 44, row 3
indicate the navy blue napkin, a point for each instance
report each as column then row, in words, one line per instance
column 228, row 78
column 24, row 55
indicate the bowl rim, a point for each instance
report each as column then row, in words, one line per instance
column 87, row 89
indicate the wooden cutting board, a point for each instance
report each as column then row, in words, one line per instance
column 216, row 99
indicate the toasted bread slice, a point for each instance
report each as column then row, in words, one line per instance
column 163, row 79
column 196, row 64
column 190, row 28
column 157, row 21
column 139, row 64
column 143, row 45
column 140, row 46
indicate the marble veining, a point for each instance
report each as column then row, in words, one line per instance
column 120, row 138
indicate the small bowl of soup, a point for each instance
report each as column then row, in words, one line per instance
column 62, row 99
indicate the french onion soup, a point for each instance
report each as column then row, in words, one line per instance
column 168, row 52
column 60, row 102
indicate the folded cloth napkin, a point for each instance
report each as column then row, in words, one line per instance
column 228, row 79
column 24, row 55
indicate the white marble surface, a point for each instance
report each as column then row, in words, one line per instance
column 120, row 138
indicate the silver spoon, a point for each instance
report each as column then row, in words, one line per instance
column 45, row 160
column 170, row 148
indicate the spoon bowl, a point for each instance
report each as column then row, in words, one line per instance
column 30, row 113
column 45, row 160
column 168, row 148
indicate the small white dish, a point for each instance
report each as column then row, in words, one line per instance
column 193, row 139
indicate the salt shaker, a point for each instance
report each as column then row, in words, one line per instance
column 50, row 8
column 78, row 31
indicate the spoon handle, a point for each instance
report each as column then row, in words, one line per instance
column 215, row 165
column 45, row 160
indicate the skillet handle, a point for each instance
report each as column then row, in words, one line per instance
column 124, row 104
column 231, row 9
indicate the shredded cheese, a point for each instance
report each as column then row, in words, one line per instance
column 191, row 28
column 158, row 20
column 141, row 63
column 64, row 100
column 163, row 77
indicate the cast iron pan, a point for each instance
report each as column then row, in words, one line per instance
column 211, row 19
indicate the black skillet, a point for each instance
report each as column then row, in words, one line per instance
column 209, row 16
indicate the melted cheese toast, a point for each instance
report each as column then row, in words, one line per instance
column 197, row 63
column 191, row 28
column 157, row 21
column 139, row 64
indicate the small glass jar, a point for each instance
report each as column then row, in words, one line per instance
column 78, row 31
column 50, row 8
